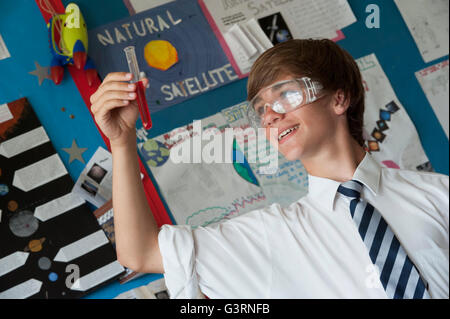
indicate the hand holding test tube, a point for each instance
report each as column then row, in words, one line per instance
column 130, row 54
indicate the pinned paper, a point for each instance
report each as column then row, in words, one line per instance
column 95, row 182
column 202, row 193
column 81, row 246
column 390, row 133
column 434, row 82
column 39, row 224
column 428, row 23
column 280, row 22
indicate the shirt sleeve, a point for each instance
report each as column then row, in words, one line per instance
column 230, row 259
column 433, row 257
column 176, row 245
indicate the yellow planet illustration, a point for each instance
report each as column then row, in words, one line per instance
column 160, row 54
column 35, row 245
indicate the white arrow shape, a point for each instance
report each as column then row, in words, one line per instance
column 39, row 173
column 58, row 206
column 81, row 246
column 23, row 290
column 97, row 276
column 13, row 261
column 23, row 142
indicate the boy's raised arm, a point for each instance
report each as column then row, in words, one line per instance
column 136, row 232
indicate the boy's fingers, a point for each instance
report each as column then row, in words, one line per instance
column 112, row 95
column 118, row 76
column 111, row 77
column 112, row 86
column 108, row 106
column 118, row 86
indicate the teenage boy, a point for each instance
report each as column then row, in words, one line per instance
column 363, row 230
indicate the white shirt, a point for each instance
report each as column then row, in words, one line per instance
column 312, row 249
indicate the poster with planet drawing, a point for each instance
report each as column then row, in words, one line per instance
column 175, row 47
column 51, row 243
column 200, row 192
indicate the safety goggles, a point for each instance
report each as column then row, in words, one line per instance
column 283, row 97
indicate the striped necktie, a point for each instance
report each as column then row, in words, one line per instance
column 398, row 275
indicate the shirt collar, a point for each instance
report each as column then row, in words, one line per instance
column 324, row 190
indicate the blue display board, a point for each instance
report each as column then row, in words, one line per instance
column 392, row 43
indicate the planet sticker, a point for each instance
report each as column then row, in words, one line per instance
column 35, row 245
column 53, row 276
column 12, row 205
column 44, row 263
column 4, row 189
column 23, row 224
column 155, row 153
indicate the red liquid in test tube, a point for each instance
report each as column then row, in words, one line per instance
column 140, row 89
column 143, row 107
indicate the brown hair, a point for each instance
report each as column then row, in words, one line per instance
column 321, row 60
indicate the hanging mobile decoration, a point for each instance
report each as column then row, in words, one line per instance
column 68, row 42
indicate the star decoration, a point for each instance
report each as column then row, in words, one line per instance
column 41, row 72
column 75, row 152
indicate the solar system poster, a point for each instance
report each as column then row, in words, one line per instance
column 51, row 245
column 175, row 47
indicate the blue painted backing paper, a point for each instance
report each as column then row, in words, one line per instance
column 202, row 64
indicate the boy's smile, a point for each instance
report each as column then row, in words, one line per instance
column 302, row 131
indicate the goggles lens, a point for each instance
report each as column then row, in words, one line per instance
column 283, row 97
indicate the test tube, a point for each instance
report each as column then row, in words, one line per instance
column 133, row 66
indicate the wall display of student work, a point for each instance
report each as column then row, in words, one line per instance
column 196, row 54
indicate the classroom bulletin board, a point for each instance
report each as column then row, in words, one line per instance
column 65, row 117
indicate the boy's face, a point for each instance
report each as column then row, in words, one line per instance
column 314, row 126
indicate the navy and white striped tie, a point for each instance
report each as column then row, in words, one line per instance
column 398, row 275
